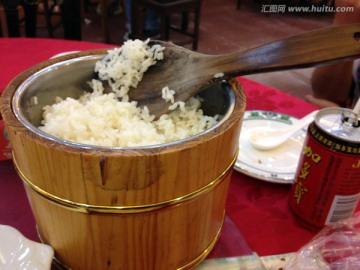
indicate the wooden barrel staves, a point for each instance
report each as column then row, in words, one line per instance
column 156, row 207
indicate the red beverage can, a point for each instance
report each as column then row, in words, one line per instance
column 326, row 188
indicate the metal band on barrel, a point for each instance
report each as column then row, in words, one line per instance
column 131, row 209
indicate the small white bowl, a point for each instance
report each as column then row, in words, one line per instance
column 18, row 252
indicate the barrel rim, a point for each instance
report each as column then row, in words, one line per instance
column 234, row 111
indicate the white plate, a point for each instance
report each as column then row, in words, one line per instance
column 278, row 165
column 63, row 53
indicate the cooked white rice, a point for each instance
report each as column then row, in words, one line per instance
column 125, row 66
column 101, row 119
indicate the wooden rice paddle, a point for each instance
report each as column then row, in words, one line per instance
column 187, row 72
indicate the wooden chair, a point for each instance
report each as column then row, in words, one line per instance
column 238, row 4
column 50, row 10
column 104, row 17
column 166, row 9
column 70, row 14
column 70, row 17
column 12, row 17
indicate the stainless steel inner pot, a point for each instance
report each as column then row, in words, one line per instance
column 69, row 78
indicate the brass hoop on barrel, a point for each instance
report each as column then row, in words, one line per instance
column 131, row 209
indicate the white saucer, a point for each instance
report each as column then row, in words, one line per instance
column 63, row 53
column 278, row 165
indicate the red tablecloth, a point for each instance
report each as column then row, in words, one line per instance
column 259, row 209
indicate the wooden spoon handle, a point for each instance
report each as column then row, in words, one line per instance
column 304, row 50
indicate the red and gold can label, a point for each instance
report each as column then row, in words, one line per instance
column 326, row 188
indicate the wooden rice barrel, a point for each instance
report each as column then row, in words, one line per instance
column 144, row 208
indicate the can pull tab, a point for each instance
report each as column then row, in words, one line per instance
column 350, row 119
column 356, row 113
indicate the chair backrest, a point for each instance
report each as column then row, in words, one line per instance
column 11, row 12
column 70, row 17
column 1, row 18
column 165, row 9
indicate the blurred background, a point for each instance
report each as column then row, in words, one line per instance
column 224, row 26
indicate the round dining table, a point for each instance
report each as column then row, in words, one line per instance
column 257, row 211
